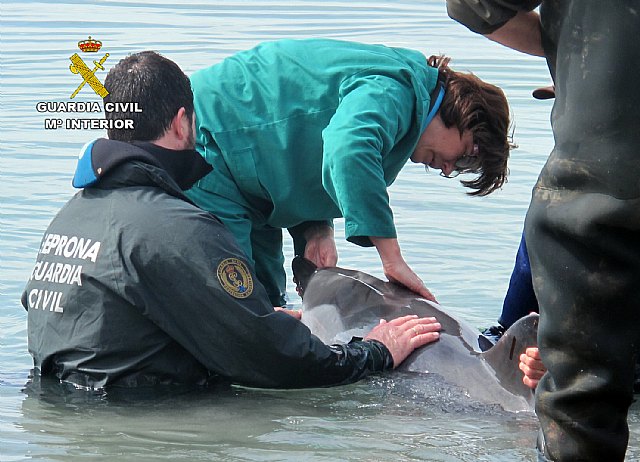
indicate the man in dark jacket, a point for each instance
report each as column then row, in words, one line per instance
column 583, row 222
column 136, row 286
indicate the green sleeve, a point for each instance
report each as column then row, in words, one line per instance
column 374, row 113
column 486, row 16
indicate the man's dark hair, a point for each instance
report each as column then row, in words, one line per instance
column 159, row 87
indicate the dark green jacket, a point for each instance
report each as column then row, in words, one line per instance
column 134, row 285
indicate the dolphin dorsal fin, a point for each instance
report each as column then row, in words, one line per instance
column 303, row 269
column 504, row 357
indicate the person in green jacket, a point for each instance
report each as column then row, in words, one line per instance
column 300, row 132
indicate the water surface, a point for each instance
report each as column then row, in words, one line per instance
column 462, row 247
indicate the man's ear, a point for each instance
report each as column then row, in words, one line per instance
column 181, row 125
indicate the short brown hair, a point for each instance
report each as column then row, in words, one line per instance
column 471, row 104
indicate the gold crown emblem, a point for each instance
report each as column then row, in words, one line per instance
column 90, row 45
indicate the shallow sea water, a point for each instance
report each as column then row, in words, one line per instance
column 462, row 247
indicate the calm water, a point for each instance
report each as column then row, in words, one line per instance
column 462, row 247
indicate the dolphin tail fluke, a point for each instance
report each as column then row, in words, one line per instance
column 504, row 357
column 303, row 269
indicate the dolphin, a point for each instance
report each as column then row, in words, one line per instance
column 339, row 304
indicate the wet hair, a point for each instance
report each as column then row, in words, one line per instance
column 159, row 87
column 482, row 108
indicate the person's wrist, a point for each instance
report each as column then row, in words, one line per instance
column 381, row 355
column 318, row 231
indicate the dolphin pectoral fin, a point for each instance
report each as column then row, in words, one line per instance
column 303, row 269
column 504, row 357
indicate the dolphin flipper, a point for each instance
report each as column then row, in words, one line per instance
column 504, row 357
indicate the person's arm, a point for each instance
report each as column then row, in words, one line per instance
column 373, row 116
column 232, row 329
column 521, row 33
column 321, row 245
column 513, row 23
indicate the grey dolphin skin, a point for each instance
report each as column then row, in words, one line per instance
column 338, row 304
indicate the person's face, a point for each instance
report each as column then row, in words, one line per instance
column 440, row 147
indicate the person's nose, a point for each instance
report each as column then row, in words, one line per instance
column 447, row 168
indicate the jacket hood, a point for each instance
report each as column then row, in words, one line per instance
column 101, row 156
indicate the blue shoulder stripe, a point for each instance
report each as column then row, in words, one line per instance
column 85, row 176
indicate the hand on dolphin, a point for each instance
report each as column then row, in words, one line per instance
column 531, row 365
column 294, row 313
column 403, row 335
column 321, row 246
column 397, row 270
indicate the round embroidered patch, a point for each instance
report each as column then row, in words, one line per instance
column 235, row 278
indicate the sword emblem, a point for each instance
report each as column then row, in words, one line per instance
column 78, row 66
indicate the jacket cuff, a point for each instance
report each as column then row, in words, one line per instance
column 379, row 357
column 362, row 241
column 482, row 17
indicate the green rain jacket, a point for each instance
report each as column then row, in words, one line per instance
column 316, row 129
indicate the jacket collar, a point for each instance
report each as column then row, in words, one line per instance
column 102, row 156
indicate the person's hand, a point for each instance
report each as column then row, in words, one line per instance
column 396, row 269
column 295, row 313
column 531, row 365
column 321, row 246
column 545, row 92
column 403, row 335
column 400, row 273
